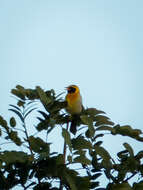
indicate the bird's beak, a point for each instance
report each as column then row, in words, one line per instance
column 66, row 88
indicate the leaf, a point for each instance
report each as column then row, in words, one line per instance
column 43, row 97
column 13, row 135
column 82, row 159
column 20, row 103
column 98, row 143
column 102, row 120
column 16, row 107
column 88, row 121
column 83, row 182
column 95, row 176
column 94, row 185
column 123, row 154
column 127, row 130
column 18, row 93
column 38, row 145
column 81, row 143
column 3, row 123
column 122, row 186
column 18, row 114
column 12, row 122
column 129, row 149
column 44, row 114
column 71, row 182
column 139, row 155
column 105, row 128
column 14, row 156
column 138, row 186
column 102, row 152
column 29, row 112
column 67, row 138
column 93, row 111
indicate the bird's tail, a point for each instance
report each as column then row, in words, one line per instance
column 74, row 123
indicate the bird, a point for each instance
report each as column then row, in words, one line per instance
column 74, row 105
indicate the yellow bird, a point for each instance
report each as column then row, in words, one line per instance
column 74, row 105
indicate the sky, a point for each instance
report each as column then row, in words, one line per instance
column 94, row 44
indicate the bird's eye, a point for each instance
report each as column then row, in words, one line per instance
column 71, row 90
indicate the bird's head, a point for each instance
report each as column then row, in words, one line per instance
column 72, row 89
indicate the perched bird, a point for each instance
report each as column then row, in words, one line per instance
column 74, row 105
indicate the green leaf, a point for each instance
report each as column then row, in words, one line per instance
column 138, row 186
column 102, row 120
column 18, row 93
column 82, row 159
column 129, row 148
column 122, row 186
column 139, row 155
column 93, row 111
column 14, row 156
column 102, row 152
column 43, row 97
column 13, row 135
column 126, row 130
column 83, row 183
column 38, row 145
column 105, row 128
column 12, row 122
column 67, row 138
column 123, row 154
column 71, row 182
column 3, row 123
column 88, row 121
column 20, row 103
column 81, row 143
column 98, row 143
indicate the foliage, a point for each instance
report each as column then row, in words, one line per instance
column 83, row 161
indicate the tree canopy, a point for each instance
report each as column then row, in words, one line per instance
column 33, row 165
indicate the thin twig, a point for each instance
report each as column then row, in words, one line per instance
column 65, row 145
column 130, row 177
column 64, row 153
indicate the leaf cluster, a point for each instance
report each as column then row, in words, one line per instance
column 83, row 160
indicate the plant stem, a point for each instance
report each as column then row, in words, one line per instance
column 27, row 138
column 64, row 154
column 65, row 145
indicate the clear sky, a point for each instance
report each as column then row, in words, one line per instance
column 96, row 44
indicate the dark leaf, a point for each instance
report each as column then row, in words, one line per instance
column 13, row 135
column 43, row 97
column 38, row 145
column 88, row 121
column 18, row 114
column 102, row 152
column 12, row 122
column 16, row 107
column 129, row 149
column 67, row 138
column 126, row 130
column 82, row 159
column 18, row 93
column 14, row 156
column 81, row 143
column 29, row 112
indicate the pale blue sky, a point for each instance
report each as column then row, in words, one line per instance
column 96, row 44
